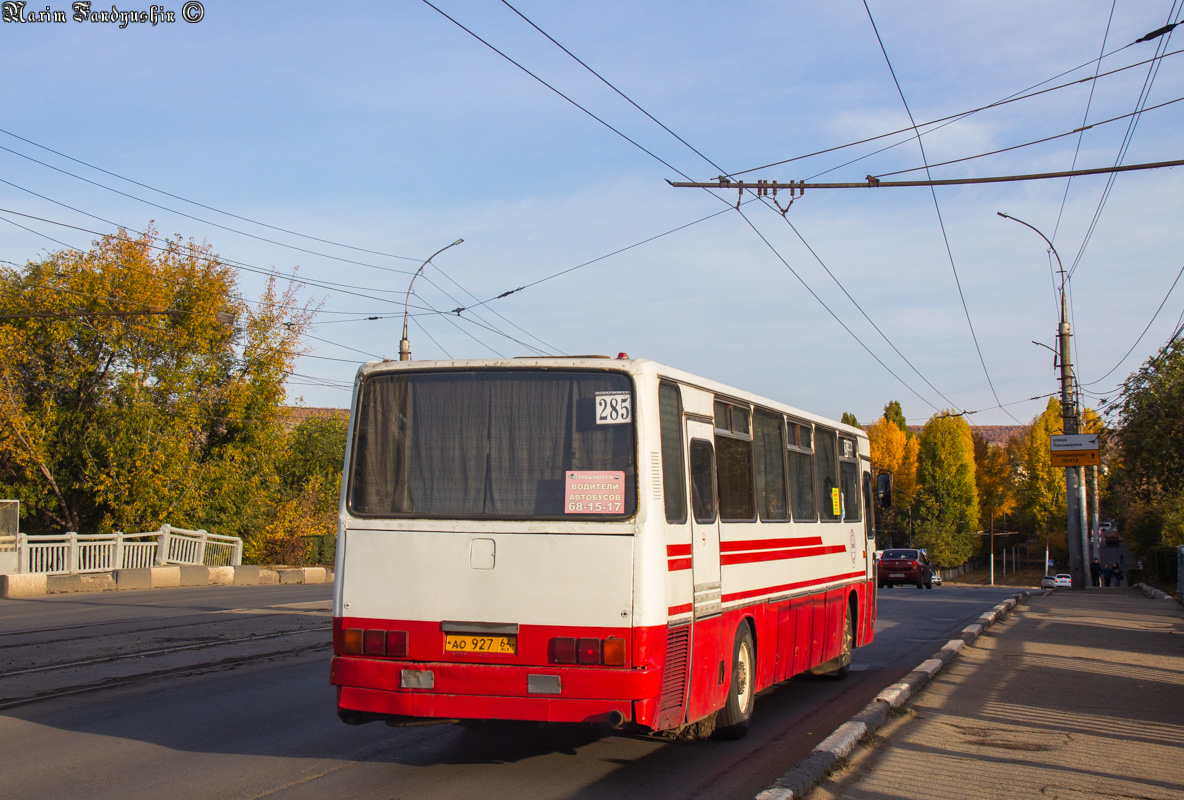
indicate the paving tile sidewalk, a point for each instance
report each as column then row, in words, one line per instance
column 1078, row 694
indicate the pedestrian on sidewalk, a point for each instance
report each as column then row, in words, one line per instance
column 1117, row 574
column 1095, row 573
column 1107, row 573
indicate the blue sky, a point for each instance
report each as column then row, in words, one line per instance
column 386, row 127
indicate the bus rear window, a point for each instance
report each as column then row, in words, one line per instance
column 495, row 444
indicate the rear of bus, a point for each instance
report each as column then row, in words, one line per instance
column 485, row 561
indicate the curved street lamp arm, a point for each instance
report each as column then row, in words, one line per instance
column 404, row 344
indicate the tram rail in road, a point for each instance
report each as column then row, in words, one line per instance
column 249, row 713
column 56, row 660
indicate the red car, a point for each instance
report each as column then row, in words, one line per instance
column 904, row 566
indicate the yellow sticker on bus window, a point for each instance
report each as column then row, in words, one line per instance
column 836, row 500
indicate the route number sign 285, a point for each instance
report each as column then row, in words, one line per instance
column 613, row 408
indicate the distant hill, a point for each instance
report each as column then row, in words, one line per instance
column 294, row 415
column 997, row 435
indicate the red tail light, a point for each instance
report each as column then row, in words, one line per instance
column 374, row 643
column 396, row 644
column 359, row 642
column 563, row 650
column 588, row 651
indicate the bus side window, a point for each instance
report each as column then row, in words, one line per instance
column 674, row 486
column 801, row 472
column 849, row 479
column 868, row 507
column 702, row 480
column 733, row 446
column 825, row 443
column 770, row 465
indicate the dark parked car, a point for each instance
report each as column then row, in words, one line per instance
column 904, row 566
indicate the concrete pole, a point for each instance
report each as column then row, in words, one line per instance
column 1095, row 517
column 1073, row 489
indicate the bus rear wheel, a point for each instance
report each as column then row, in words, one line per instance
column 732, row 720
column 848, row 647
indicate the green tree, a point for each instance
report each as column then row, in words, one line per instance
column 316, row 448
column 947, row 501
column 894, row 414
column 302, row 529
column 138, row 387
column 849, row 419
column 1147, row 485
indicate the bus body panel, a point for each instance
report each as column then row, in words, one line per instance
column 634, row 579
column 535, row 578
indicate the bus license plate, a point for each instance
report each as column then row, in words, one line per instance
column 476, row 643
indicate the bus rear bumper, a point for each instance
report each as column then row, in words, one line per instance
column 392, row 689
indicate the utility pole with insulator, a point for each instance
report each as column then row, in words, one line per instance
column 1074, row 485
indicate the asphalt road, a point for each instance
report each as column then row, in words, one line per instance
column 222, row 692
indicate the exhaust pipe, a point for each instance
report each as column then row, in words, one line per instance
column 616, row 718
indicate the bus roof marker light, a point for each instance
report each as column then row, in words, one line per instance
column 622, row 355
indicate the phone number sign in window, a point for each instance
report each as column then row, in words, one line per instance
column 595, row 492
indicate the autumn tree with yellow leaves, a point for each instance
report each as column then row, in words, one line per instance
column 138, row 386
column 1040, row 485
column 894, row 449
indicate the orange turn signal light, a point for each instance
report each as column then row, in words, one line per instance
column 614, row 652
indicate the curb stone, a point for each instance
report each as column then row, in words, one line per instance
column 801, row 779
column 1151, row 591
column 16, row 585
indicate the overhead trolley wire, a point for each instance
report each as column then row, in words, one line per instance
column 344, row 288
column 206, row 221
column 1078, row 131
column 196, row 203
column 1084, row 119
column 835, row 316
column 1163, row 34
column 245, row 267
column 1146, row 328
column 1023, row 94
column 937, row 207
column 216, row 225
column 713, row 164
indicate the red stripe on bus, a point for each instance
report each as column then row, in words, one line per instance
column 780, row 555
column 768, row 544
column 685, row 608
column 678, row 564
column 786, row 587
column 678, row 550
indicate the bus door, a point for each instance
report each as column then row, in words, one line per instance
column 708, row 670
column 869, row 555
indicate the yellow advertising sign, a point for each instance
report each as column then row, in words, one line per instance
column 1076, row 458
column 836, row 499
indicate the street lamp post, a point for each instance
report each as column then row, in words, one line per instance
column 404, row 345
column 1074, row 486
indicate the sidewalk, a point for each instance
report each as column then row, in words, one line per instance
column 1077, row 694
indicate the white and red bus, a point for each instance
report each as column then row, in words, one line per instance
column 589, row 539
